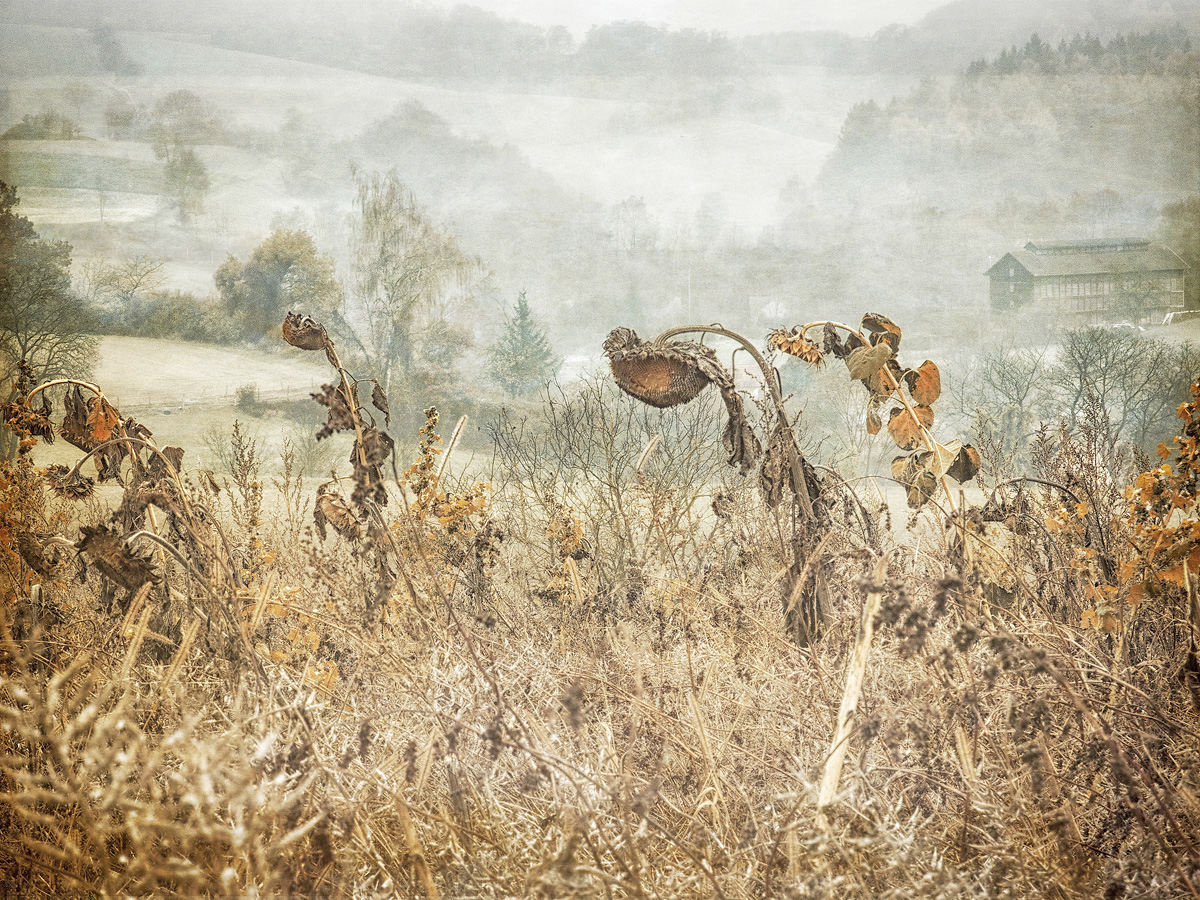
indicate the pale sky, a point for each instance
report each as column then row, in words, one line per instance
column 858, row 17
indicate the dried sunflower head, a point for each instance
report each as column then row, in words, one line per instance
column 794, row 343
column 661, row 375
column 304, row 332
column 668, row 373
column 69, row 484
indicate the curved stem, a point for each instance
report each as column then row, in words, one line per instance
column 87, row 384
column 772, row 382
column 171, row 470
column 1024, row 479
column 173, row 473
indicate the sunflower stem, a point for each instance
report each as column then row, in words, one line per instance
column 770, row 377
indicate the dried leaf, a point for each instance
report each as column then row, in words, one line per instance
column 776, row 471
column 339, row 418
column 108, row 462
column 922, row 489
column 943, row 457
column 368, row 480
column 863, row 362
column 925, row 383
column 332, row 508
column 793, row 343
column 742, row 447
column 918, row 481
column 874, row 422
column 379, row 401
column 377, row 445
column 882, row 325
column 966, row 464
column 304, row 332
column 102, row 420
column 174, row 456
column 110, row 554
column 905, row 427
column 74, row 427
column 833, row 343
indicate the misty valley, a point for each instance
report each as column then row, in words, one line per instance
column 450, row 456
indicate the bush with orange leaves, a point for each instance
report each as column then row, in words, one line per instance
column 1164, row 514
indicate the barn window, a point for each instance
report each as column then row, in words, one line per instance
column 1011, row 272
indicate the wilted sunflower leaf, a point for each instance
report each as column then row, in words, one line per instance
column 833, row 343
column 379, row 401
column 74, row 427
column 922, row 489
column 874, row 422
column 864, row 362
column 881, row 325
column 102, row 420
column 377, row 445
column 966, row 464
column 158, row 468
column 913, row 473
column 339, row 418
column 943, row 457
column 108, row 462
column 924, row 383
column 905, row 427
column 332, row 508
column 742, row 447
column 886, row 337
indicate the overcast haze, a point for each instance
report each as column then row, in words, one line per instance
column 859, row 18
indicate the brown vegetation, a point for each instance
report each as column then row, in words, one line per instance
column 577, row 681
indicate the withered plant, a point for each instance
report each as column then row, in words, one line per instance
column 666, row 372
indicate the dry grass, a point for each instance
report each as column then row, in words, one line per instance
column 279, row 731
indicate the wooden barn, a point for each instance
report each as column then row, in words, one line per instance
column 1091, row 281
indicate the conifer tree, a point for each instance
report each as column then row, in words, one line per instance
column 523, row 359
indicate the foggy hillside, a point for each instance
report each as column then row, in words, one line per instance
column 633, row 173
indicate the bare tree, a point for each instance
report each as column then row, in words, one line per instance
column 1139, row 381
column 410, row 282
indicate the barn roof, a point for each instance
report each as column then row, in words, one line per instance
column 1140, row 256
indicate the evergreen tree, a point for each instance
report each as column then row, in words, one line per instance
column 523, row 359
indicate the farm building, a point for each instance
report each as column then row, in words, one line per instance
column 1091, row 281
